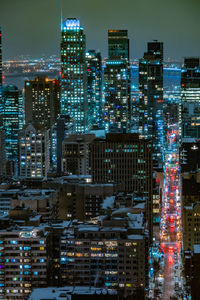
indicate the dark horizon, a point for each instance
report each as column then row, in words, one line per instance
column 176, row 24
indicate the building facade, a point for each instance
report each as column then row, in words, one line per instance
column 74, row 100
column 118, row 44
column 75, row 154
column 12, row 114
column 151, row 118
column 110, row 254
column 94, row 83
column 116, row 93
column 33, row 152
column 25, row 262
column 189, row 108
column 117, row 90
column 42, row 101
column 125, row 161
column 63, row 126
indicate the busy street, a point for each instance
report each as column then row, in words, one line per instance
column 170, row 225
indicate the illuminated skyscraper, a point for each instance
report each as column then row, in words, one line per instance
column 189, row 108
column 151, row 120
column 42, row 101
column 118, row 44
column 12, row 119
column 74, row 74
column 117, row 108
column 94, row 75
column 116, row 96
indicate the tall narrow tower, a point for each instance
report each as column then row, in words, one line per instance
column 151, row 98
column 117, row 108
column 74, row 74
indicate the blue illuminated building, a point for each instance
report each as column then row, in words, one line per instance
column 12, row 119
column 74, row 74
column 94, row 81
column 151, row 119
column 117, row 106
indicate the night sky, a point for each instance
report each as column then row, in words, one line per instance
column 33, row 26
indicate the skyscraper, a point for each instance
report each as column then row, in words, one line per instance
column 94, row 81
column 33, row 152
column 74, row 74
column 60, row 130
column 151, row 99
column 42, row 101
column 118, row 44
column 12, row 119
column 117, row 107
column 116, row 96
column 125, row 161
column 189, row 108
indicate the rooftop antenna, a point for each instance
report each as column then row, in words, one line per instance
column 61, row 17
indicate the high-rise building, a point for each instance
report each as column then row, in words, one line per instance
column 189, row 108
column 25, row 264
column 74, row 100
column 94, row 81
column 118, row 44
column 151, row 119
column 12, row 119
column 155, row 48
column 60, row 130
column 33, row 152
column 125, row 161
column 75, row 154
column 116, row 107
column 42, row 101
column 112, row 253
column 117, row 93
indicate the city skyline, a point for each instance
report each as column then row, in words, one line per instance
column 135, row 17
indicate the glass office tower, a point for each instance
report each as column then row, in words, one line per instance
column 151, row 119
column 189, row 108
column 12, row 119
column 117, row 107
column 94, row 82
column 74, row 74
